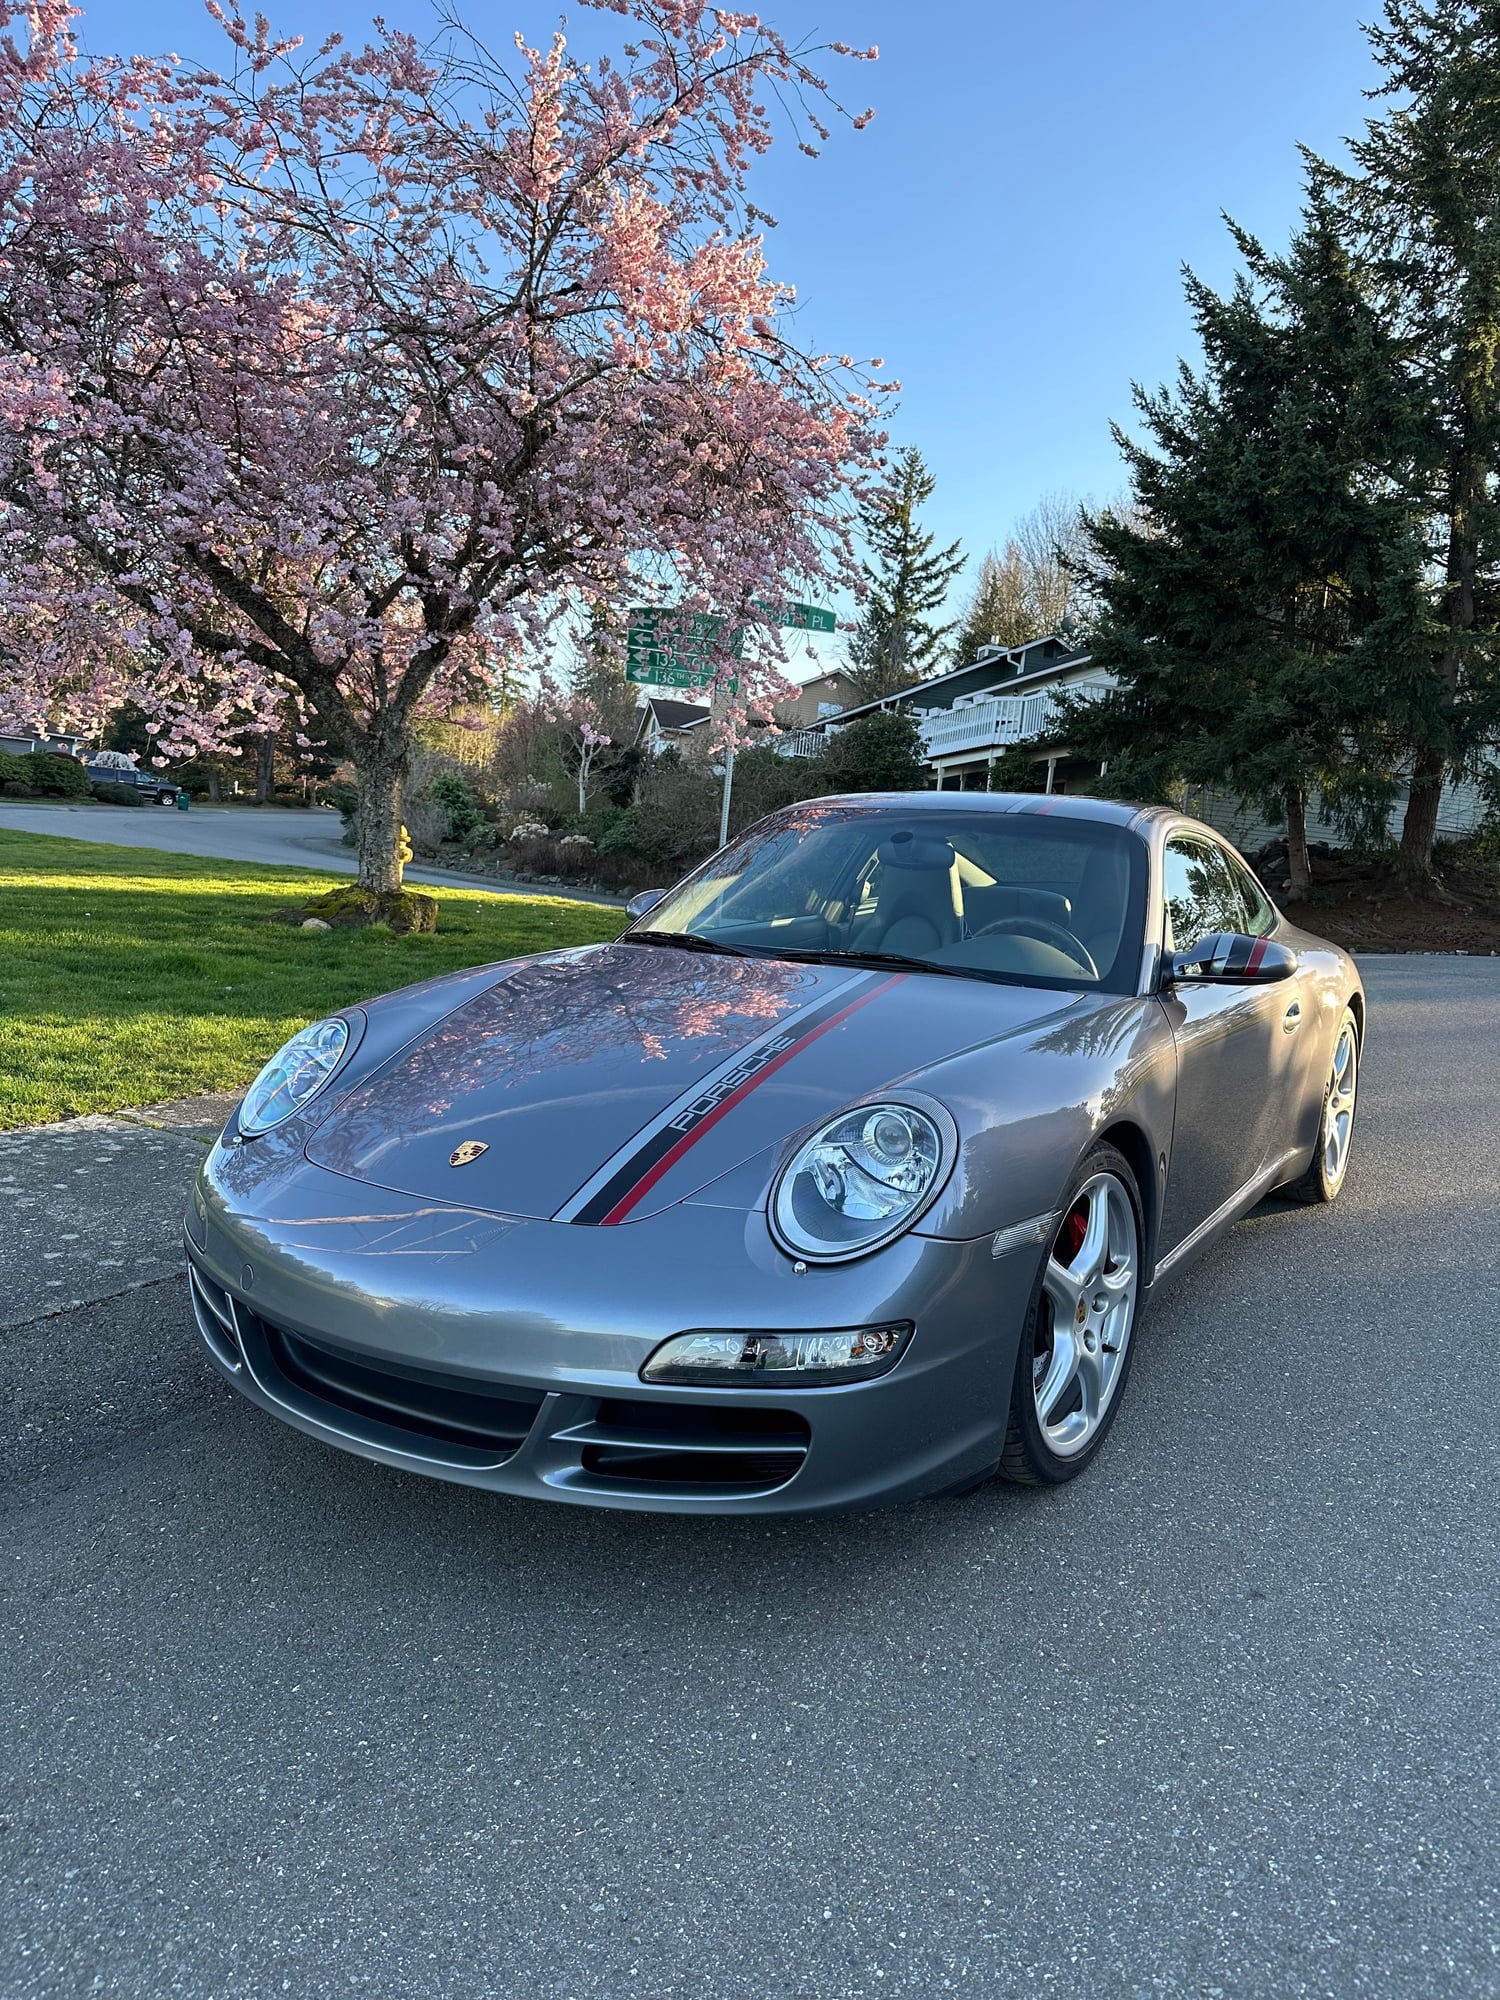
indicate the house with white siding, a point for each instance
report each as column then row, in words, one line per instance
column 1006, row 697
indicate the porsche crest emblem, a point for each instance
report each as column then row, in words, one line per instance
column 469, row 1150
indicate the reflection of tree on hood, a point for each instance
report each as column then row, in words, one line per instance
column 563, row 1013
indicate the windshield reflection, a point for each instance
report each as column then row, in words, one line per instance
column 1010, row 896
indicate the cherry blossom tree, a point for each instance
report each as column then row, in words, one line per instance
column 585, row 739
column 327, row 379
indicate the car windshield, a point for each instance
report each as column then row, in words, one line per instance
column 1026, row 899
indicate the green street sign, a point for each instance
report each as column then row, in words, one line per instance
column 680, row 657
column 805, row 617
column 683, row 657
column 676, row 677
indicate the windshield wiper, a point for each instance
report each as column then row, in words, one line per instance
column 686, row 941
column 899, row 958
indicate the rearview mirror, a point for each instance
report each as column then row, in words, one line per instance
column 1232, row 958
column 646, row 900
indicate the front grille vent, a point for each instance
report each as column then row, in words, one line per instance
column 215, row 1317
column 643, row 1446
column 470, row 1422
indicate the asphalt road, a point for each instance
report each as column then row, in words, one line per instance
column 270, row 836
column 1220, row 1719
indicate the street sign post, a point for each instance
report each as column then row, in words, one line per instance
column 661, row 654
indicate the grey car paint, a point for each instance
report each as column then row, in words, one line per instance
column 347, row 1227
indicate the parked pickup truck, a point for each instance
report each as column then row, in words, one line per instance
column 151, row 784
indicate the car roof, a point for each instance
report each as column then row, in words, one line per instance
column 1052, row 805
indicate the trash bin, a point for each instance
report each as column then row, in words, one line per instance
column 183, row 802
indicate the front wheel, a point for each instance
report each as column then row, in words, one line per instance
column 1330, row 1160
column 1077, row 1343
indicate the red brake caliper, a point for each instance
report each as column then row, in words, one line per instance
column 1070, row 1236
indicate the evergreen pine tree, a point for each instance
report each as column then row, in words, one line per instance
column 1421, row 205
column 1264, row 593
column 896, row 643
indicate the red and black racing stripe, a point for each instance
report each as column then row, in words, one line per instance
column 667, row 1142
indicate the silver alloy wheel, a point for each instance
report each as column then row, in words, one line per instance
column 1090, row 1297
column 1338, row 1112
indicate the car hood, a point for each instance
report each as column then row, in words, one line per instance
column 602, row 1085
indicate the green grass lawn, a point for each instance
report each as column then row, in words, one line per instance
column 129, row 977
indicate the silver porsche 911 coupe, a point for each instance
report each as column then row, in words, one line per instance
column 841, row 1177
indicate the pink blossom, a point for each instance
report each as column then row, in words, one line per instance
column 328, row 383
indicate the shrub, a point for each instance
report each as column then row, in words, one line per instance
column 546, row 854
column 59, row 777
column 674, row 822
column 1018, row 769
column 117, row 795
column 764, row 782
column 13, row 768
column 525, row 799
column 619, row 773
column 342, row 794
column 878, row 753
column 450, row 791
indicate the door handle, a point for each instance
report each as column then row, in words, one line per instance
column 1292, row 1018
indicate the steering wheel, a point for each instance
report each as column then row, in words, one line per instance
column 1044, row 933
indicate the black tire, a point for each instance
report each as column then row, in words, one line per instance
column 1321, row 1183
column 1030, row 1458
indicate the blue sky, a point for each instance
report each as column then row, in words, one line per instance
column 1009, row 232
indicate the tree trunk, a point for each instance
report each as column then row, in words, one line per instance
column 213, row 783
column 1419, row 827
column 1298, row 860
column 382, row 769
column 265, row 768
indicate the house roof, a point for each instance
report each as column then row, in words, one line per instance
column 1011, row 656
column 669, row 714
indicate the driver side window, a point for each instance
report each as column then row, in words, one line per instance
column 1202, row 895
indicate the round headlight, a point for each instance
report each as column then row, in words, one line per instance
column 293, row 1076
column 859, row 1181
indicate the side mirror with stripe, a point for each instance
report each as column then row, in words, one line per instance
column 1229, row 957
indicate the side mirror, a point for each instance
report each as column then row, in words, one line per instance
column 646, row 900
column 1230, row 958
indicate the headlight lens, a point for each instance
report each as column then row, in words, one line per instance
column 858, row 1182
column 715, row 1359
column 293, row 1076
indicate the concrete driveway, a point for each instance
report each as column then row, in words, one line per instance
column 270, row 836
column 1219, row 1720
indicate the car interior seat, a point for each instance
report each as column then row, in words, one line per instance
column 919, row 907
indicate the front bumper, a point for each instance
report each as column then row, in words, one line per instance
column 505, row 1353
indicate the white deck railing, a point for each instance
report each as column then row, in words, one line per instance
column 801, row 743
column 987, row 724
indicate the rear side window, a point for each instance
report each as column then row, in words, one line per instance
column 1202, row 892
